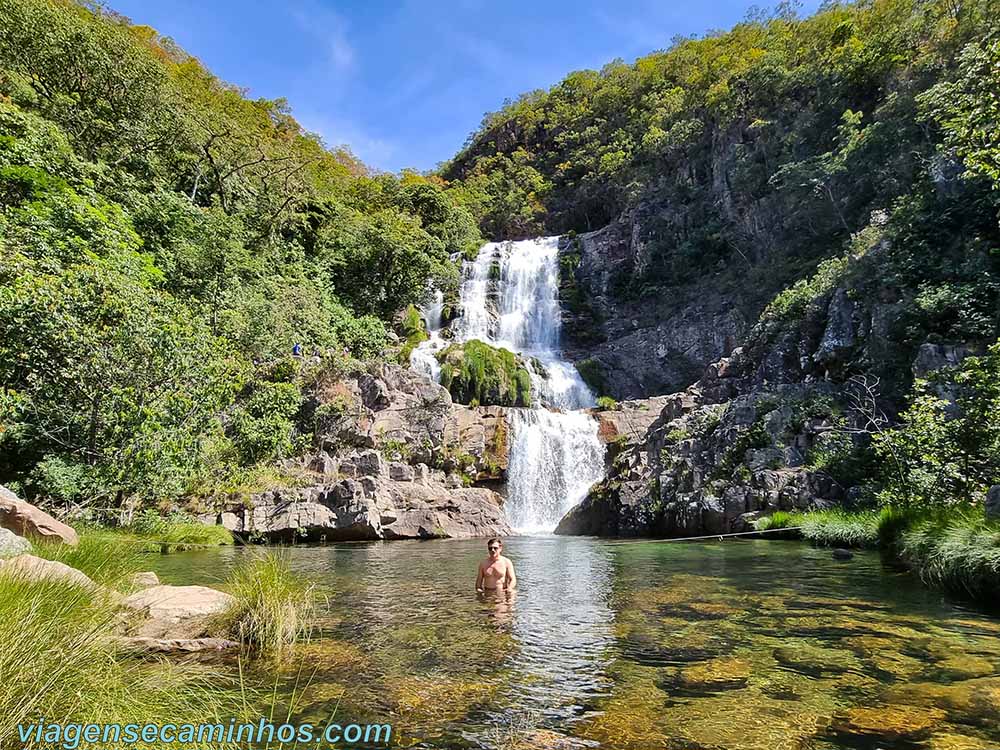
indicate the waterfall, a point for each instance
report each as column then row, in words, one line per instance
column 423, row 358
column 510, row 299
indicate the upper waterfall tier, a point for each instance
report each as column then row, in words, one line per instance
column 510, row 299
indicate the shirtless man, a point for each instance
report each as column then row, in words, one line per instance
column 496, row 572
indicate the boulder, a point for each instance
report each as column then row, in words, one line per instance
column 145, row 580
column 993, row 503
column 12, row 545
column 322, row 463
column 369, row 463
column 34, row 568
column 175, row 612
column 24, row 519
column 401, row 472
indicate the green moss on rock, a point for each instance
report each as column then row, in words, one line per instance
column 478, row 374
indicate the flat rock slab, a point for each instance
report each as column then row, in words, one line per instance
column 24, row 519
column 176, row 612
column 176, row 645
column 33, row 568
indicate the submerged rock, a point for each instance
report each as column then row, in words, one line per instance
column 893, row 721
column 24, row 519
column 842, row 554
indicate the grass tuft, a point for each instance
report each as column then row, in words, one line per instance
column 274, row 608
column 780, row 519
column 59, row 660
column 958, row 550
column 101, row 555
column 839, row 528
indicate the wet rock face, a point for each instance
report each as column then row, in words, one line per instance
column 710, row 461
column 641, row 347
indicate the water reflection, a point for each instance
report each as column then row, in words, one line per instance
column 499, row 607
column 644, row 645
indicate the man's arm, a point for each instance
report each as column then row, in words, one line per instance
column 511, row 576
column 479, row 578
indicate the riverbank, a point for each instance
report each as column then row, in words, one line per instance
column 91, row 635
column 955, row 548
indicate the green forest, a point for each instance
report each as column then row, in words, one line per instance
column 166, row 241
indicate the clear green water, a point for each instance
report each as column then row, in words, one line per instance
column 759, row 644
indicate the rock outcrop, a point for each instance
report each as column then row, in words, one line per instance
column 395, row 459
column 24, row 519
column 753, row 435
column 370, row 506
column 408, row 418
column 12, row 545
column 640, row 347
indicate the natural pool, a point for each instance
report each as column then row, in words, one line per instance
column 755, row 644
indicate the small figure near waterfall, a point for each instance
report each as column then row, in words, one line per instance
column 496, row 572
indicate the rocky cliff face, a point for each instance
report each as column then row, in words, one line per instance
column 756, row 432
column 395, row 459
column 635, row 348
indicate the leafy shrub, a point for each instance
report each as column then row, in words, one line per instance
column 606, row 403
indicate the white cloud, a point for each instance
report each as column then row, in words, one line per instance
column 329, row 30
column 335, row 131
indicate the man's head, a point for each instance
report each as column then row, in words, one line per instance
column 495, row 547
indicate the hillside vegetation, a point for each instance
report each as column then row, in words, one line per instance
column 834, row 181
column 165, row 241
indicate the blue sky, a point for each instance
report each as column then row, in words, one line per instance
column 404, row 83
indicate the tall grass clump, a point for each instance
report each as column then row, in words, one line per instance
column 100, row 555
column 891, row 524
column 780, row 519
column 955, row 549
column 59, row 661
column 839, row 528
column 273, row 609
column 177, row 532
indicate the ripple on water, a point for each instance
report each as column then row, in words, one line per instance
column 741, row 646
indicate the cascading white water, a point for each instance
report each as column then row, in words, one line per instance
column 423, row 357
column 510, row 299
